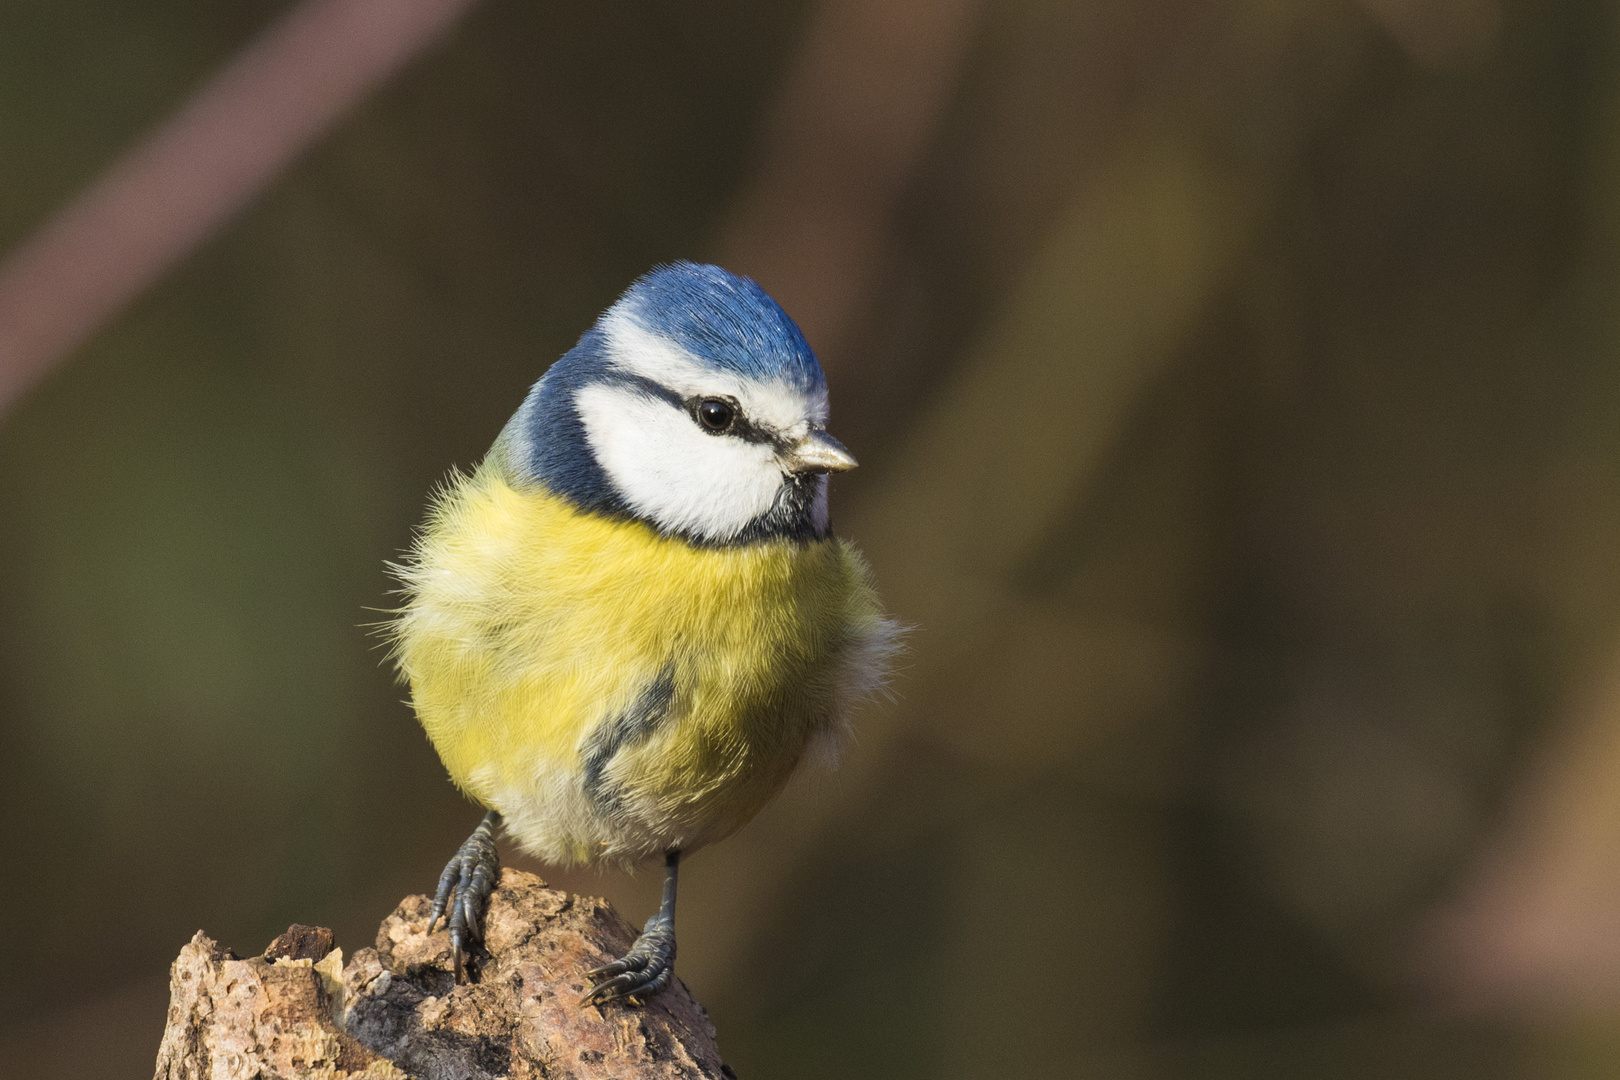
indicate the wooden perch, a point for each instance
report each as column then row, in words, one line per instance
column 395, row 1011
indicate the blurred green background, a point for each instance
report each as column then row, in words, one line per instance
column 1236, row 390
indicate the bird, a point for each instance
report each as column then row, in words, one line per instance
column 627, row 626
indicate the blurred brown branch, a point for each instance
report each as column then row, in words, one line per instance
column 396, row 1010
column 169, row 194
column 864, row 93
column 1534, row 927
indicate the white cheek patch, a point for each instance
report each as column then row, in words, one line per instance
column 777, row 404
column 672, row 472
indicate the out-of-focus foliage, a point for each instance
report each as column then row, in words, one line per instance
column 1239, row 408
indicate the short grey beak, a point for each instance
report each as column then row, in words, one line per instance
column 819, row 452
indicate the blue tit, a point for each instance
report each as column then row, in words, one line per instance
column 627, row 627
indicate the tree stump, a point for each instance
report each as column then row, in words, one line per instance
column 395, row 1011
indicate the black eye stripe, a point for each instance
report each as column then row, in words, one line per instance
column 647, row 386
column 741, row 427
column 750, row 432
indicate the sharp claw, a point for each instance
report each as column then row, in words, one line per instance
column 464, row 888
column 627, row 979
column 602, row 993
column 441, row 895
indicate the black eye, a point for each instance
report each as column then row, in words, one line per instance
column 714, row 414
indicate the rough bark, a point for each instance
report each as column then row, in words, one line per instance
column 395, row 1011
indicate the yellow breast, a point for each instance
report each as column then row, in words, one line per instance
column 614, row 692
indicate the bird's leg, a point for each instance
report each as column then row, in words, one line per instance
column 649, row 966
column 464, row 887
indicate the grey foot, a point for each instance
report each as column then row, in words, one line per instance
column 647, row 969
column 465, row 886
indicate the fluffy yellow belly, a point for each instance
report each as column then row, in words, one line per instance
column 614, row 693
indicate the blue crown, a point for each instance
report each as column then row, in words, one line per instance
column 723, row 319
